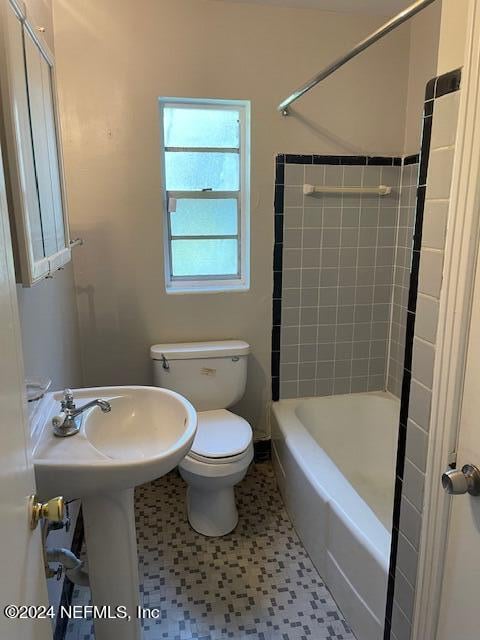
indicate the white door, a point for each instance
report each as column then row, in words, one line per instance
column 22, row 576
column 460, row 604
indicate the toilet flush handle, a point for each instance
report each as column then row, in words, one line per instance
column 165, row 363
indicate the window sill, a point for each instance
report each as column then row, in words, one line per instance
column 207, row 288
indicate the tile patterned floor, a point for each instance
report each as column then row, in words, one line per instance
column 257, row 583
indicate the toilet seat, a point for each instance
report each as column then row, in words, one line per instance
column 227, row 460
column 222, row 437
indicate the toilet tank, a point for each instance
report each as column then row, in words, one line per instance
column 212, row 375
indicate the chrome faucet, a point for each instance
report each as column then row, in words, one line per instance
column 70, row 419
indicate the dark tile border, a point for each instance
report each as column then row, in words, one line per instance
column 437, row 87
column 277, row 269
column 448, row 83
column 413, row 159
column 444, row 84
column 376, row 161
column 425, row 153
column 68, row 586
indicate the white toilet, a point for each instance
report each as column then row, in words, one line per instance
column 212, row 375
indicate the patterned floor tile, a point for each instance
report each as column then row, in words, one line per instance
column 256, row 583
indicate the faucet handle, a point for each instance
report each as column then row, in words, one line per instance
column 67, row 402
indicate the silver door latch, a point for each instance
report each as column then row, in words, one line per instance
column 464, row 480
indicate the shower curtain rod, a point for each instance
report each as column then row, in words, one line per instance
column 392, row 24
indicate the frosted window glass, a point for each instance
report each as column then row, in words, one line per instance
column 204, row 257
column 195, row 171
column 204, row 218
column 201, row 128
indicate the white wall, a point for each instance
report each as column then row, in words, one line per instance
column 424, row 35
column 49, row 324
column 115, row 58
column 453, row 31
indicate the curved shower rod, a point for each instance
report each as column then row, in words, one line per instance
column 392, row 24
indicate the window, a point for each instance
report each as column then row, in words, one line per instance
column 205, row 160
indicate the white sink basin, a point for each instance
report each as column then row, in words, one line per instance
column 146, row 434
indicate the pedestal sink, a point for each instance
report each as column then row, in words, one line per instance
column 146, row 434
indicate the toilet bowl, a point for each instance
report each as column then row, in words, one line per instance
column 212, row 375
column 219, row 459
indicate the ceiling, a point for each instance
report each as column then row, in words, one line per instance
column 384, row 7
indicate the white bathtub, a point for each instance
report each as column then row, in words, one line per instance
column 335, row 463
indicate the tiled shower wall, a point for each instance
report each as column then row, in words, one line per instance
column 431, row 222
column 334, row 268
column 401, row 276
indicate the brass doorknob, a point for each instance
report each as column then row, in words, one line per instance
column 53, row 510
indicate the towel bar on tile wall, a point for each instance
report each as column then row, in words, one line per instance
column 381, row 190
column 78, row 242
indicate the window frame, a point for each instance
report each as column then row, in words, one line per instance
column 210, row 283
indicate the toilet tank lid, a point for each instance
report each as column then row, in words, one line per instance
column 191, row 350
